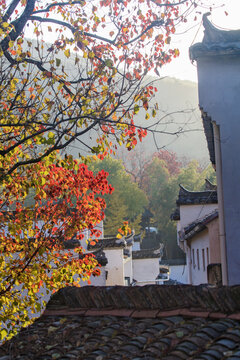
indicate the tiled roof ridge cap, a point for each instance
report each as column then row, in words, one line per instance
column 216, row 42
column 152, row 297
column 156, row 248
column 209, row 185
column 212, row 34
column 197, row 226
column 184, row 191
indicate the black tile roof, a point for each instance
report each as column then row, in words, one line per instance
column 107, row 244
column 197, row 226
column 216, row 42
column 148, row 253
column 198, row 331
column 186, row 197
column 215, row 299
column 112, row 242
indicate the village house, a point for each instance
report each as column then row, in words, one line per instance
column 123, row 265
column 198, row 234
column 218, row 58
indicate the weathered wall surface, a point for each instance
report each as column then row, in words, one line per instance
column 219, row 96
column 114, row 267
column 199, row 243
column 145, row 270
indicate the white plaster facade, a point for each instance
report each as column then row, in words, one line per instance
column 145, row 271
column 179, row 273
column 190, row 213
column 128, row 271
column 114, row 267
column 199, row 248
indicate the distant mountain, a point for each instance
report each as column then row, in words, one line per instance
column 179, row 99
column 175, row 98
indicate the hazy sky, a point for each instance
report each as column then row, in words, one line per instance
column 181, row 67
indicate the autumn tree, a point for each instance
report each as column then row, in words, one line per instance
column 90, row 78
column 34, row 255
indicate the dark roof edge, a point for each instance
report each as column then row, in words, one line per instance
column 204, row 298
column 216, row 42
column 197, row 226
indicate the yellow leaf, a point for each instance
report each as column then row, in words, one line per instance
column 91, row 54
column 3, row 333
column 5, row 25
column 136, row 109
column 67, row 53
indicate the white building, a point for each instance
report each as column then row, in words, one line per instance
column 121, row 265
column 198, row 234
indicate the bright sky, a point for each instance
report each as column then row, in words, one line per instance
column 190, row 33
column 181, row 67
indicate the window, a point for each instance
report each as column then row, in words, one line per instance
column 198, row 262
column 193, row 259
column 203, row 259
column 127, row 281
column 207, row 256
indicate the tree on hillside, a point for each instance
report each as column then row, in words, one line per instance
column 171, row 161
column 162, row 188
column 161, row 191
column 127, row 201
column 108, row 46
column 192, row 176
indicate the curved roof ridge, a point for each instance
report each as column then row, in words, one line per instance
column 184, row 191
column 214, row 35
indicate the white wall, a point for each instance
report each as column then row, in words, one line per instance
column 219, row 89
column 96, row 280
column 190, row 213
column 114, row 267
column 145, row 270
column 128, row 268
column 199, row 242
column 179, row 273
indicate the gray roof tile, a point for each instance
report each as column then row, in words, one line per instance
column 107, row 337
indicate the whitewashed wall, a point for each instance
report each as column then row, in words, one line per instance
column 114, row 267
column 179, row 273
column 145, row 270
column 128, row 268
column 190, row 213
column 199, row 242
